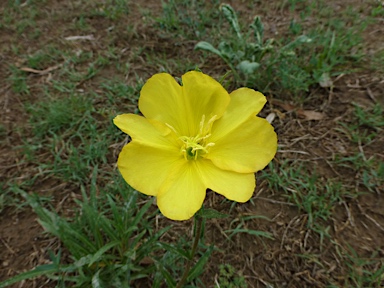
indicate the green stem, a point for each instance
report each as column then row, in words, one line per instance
column 198, row 222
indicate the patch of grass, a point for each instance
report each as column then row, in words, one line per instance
column 378, row 10
column 18, row 80
column 117, row 92
column 11, row 197
column 76, row 135
column 369, row 173
column 115, row 9
column 43, row 58
column 313, row 195
column 59, row 115
column 366, row 124
column 363, row 271
column 190, row 19
column 21, row 17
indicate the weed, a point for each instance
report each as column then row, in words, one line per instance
column 291, row 64
column 228, row 277
column 245, row 56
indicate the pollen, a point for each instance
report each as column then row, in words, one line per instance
column 197, row 146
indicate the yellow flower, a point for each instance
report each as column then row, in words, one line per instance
column 194, row 136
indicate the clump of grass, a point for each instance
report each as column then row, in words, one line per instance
column 108, row 239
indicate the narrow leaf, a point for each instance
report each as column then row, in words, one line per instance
column 250, row 232
column 202, row 45
column 258, row 30
column 38, row 271
column 198, row 268
column 101, row 251
column 231, row 16
column 211, row 213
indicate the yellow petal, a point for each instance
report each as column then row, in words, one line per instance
column 183, row 107
column 234, row 186
column 146, row 168
column 146, row 132
column 161, row 99
column 183, row 194
column 248, row 148
column 244, row 103
column 205, row 96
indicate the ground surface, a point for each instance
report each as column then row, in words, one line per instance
column 322, row 198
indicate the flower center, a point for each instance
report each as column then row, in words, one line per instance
column 195, row 147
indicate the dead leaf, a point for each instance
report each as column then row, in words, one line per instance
column 286, row 106
column 146, row 261
column 305, row 114
column 310, row 114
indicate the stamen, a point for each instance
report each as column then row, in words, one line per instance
column 210, row 122
column 171, row 127
column 202, row 124
column 195, row 147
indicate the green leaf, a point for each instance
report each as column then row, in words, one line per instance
column 248, row 67
column 250, row 232
column 258, row 30
column 231, row 16
column 202, row 45
column 211, row 213
column 198, row 268
column 96, row 282
column 38, row 271
column 171, row 248
column 168, row 277
column 101, row 251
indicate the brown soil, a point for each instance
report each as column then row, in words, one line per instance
column 297, row 256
